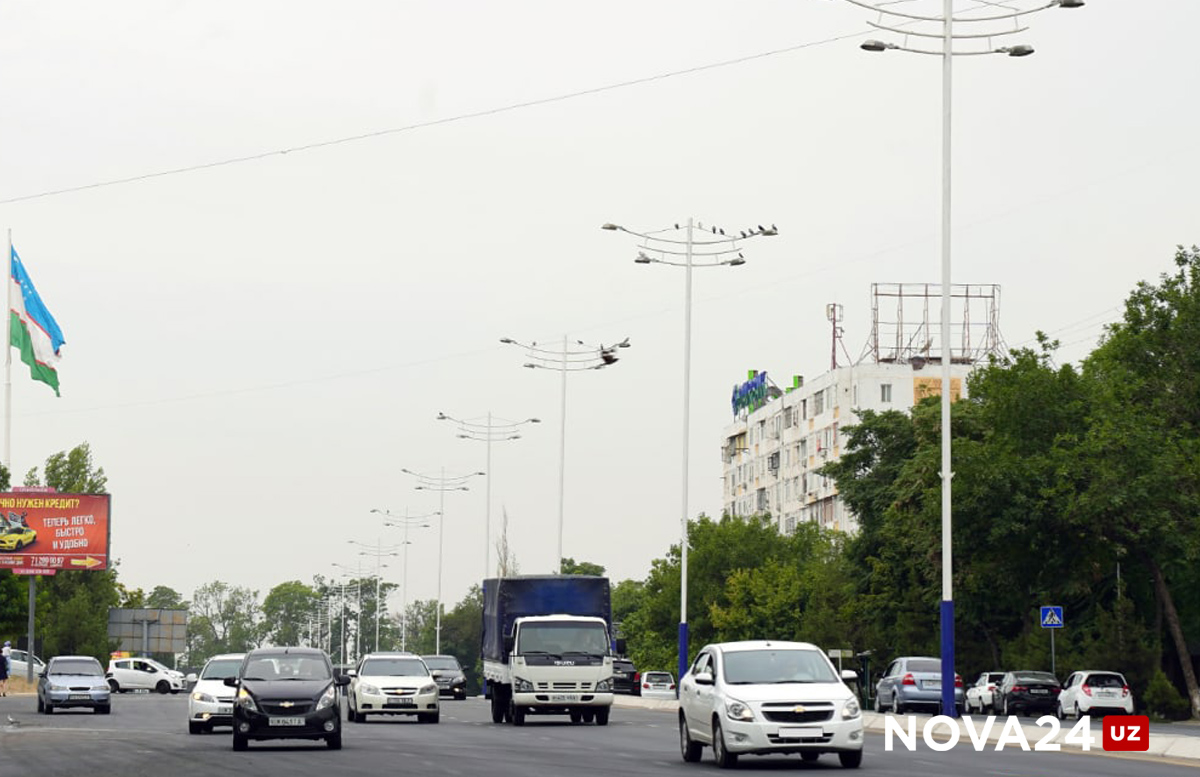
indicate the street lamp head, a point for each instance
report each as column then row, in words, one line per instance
column 770, row 231
column 1020, row 50
column 876, row 45
column 642, row 258
column 609, row 226
column 738, row 262
column 507, row 340
column 535, row 420
column 530, row 366
column 1070, row 3
column 442, row 416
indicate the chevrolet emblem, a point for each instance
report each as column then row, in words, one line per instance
column 289, row 704
column 799, row 709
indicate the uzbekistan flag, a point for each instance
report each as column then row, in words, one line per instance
column 32, row 329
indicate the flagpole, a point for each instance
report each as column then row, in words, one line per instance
column 8, row 362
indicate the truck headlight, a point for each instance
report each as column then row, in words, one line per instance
column 851, row 708
column 604, row 685
column 245, row 700
column 327, row 698
column 522, row 686
column 737, row 710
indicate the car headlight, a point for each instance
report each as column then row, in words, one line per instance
column 101, row 687
column 737, row 710
column 327, row 698
column 431, row 688
column 851, row 709
column 604, row 685
column 204, row 697
column 245, row 700
column 368, row 689
column 54, row 687
column 522, row 686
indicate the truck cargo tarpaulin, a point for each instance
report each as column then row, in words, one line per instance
column 52, row 532
column 506, row 599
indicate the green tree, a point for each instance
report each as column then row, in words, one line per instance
column 287, row 611
column 572, row 567
column 462, row 636
column 165, row 598
column 226, row 619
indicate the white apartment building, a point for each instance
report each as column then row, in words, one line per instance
column 772, row 452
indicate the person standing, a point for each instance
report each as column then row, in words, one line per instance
column 5, row 663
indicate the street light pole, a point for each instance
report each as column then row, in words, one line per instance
column 995, row 16
column 404, row 522
column 720, row 250
column 569, row 359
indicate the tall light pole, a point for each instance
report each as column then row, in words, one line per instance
column 573, row 357
column 441, row 483
column 494, row 430
column 357, row 570
column 983, row 23
column 716, row 250
column 377, row 552
column 405, row 522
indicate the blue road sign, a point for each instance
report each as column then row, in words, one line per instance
column 1052, row 617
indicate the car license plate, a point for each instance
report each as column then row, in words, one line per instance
column 224, row 709
column 798, row 732
column 932, row 684
column 399, row 703
column 79, row 697
column 564, row 697
column 1038, row 691
column 286, row 721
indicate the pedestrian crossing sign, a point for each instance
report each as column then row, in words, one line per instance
column 1052, row 617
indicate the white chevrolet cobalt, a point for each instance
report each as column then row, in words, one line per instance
column 393, row 684
column 768, row 698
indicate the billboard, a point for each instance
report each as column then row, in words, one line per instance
column 43, row 533
column 147, row 630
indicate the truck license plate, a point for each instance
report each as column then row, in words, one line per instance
column 564, row 697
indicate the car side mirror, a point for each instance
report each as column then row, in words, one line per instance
column 343, row 679
column 351, row 673
column 703, row 678
column 191, row 677
column 849, row 676
column 231, row 682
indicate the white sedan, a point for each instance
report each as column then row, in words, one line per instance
column 981, row 695
column 211, row 701
column 393, row 684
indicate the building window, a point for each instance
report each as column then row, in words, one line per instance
column 885, row 392
column 819, row 403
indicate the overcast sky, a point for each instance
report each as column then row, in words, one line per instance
column 255, row 350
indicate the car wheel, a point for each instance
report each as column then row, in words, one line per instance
column 1004, row 702
column 687, row 748
column 851, row 759
column 104, row 709
column 897, row 705
column 460, row 696
column 48, row 709
column 1078, row 714
column 195, row 727
column 432, row 717
column 163, row 687
column 240, row 742
column 808, row 756
column 602, row 717
column 174, row 690
column 724, row 758
column 1058, row 711
column 41, row 706
column 334, row 741
column 114, row 686
column 877, row 706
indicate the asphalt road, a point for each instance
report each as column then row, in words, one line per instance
column 146, row 736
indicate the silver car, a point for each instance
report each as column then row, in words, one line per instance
column 73, row 681
column 914, row 681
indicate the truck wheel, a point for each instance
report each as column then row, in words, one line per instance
column 576, row 717
column 516, row 714
column 588, row 716
column 497, row 708
column 602, row 717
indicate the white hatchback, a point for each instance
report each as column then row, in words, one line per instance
column 765, row 698
column 126, row 674
column 393, row 684
column 211, row 701
column 1093, row 692
column 18, row 665
column 658, row 685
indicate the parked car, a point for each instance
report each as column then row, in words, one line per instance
column 211, row 701
column 982, row 692
column 625, row 676
column 286, row 693
column 18, row 661
column 448, row 674
column 1027, row 692
column 127, row 674
column 914, row 681
column 767, row 698
column 1092, row 692
column 73, row 681
column 393, row 684
column 658, row 685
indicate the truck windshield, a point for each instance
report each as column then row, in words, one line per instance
column 562, row 638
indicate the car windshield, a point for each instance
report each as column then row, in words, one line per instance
column 221, row 668
column 756, row 667
column 286, row 666
column 77, row 666
column 924, row 665
column 1105, row 681
column 443, row 662
column 657, row 677
column 559, row 639
column 1036, row 677
column 393, row 667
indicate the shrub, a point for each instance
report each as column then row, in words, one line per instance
column 1164, row 700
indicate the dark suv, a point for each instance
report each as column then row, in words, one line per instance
column 448, row 674
column 287, row 693
column 626, row 679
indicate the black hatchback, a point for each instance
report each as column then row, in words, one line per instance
column 287, row 693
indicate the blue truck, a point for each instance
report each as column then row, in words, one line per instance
column 547, row 647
